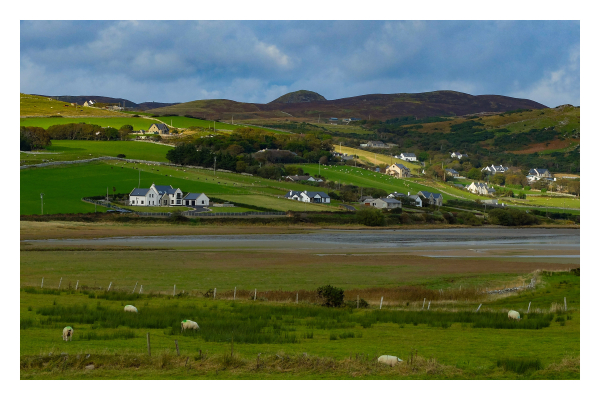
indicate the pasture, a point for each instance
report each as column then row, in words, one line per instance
column 115, row 122
column 377, row 159
column 64, row 186
column 294, row 340
column 31, row 105
column 69, row 150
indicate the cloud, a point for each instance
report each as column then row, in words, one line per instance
column 257, row 61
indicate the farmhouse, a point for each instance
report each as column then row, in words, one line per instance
column 452, row 172
column 144, row 197
column 374, row 143
column 481, row 188
column 433, row 198
column 456, row 154
column 300, row 178
column 89, row 103
column 385, row 203
column 396, row 195
column 161, row 129
column 398, row 171
column 408, row 156
column 494, row 169
column 308, row 197
column 535, row 174
column 415, row 198
column 196, row 199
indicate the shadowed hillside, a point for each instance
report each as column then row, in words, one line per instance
column 373, row 106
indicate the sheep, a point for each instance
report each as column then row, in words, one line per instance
column 130, row 308
column 67, row 333
column 512, row 314
column 189, row 324
column 389, row 360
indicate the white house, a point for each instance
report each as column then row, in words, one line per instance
column 494, row 169
column 456, row 154
column 196, row 199
column 481, row 188
column 408, row 156
column 433, row 198
column 299, row 178
column 308, row 197
column 535, row 174
column 89, row 103
column 168, row 195
column 144, row 197
column 384, row 203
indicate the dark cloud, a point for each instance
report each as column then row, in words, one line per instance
column 259, row 60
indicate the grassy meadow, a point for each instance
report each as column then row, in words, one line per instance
column 117, row 121
column 64, row 186
column 31, row 105
column 296, row 341
column 69, row 150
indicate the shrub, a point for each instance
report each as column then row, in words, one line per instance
column 121, row 156
column 370, row 216
column 468, row 219
column 520, row 365
column 512, row 217
column 331, row 296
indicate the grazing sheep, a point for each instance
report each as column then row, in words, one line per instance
column 67, row 333
column 188, row 324
column 512, row 314
column 389, row 360
column 130, row 308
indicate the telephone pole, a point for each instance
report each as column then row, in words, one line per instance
column 215, row 167
column 42, row 197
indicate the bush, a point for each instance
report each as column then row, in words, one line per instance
column 467, row 218
column 512, row 217
column 520, row 365
column 121, row 156
column 331, row 296
column 370, row 216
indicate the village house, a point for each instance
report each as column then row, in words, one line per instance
column 452, row 172
column 458, row 155
column 396, row 195
column 89, row 103
column 434, row 198
column 300, row 178
column 481, row 188
column 535, row 174
column 494, row 169
column 407, row 156
column 161, row 129
column 374, row 143
column 398, row 171
column 414, row 198
column 308, row 197
column 383, row 203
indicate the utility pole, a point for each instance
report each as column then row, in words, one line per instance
column 340, row 147
column 139, row 178
column 42, row 197
column 215, row 167
column 107, row 194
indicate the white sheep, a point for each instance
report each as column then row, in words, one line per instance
column 512, row 314
column 67, row 333
column 188, row 324
column 389, row 360
column 130, row 308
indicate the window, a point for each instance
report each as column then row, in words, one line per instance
column 172, row 201
column 142, row 201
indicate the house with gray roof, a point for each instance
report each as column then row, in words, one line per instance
column 196, row 199
column 452, row 172
column 494, row 169
column 157, row 196
column 386, row 203
column 308, row 196
column 408, row 156
column 162, row 129
column 433, row 198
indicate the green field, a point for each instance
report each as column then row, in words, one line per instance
column 31, row 105
column 184, row 122
column 116, row 341
column 68, row 150
column 116, row 122
column 64, row 186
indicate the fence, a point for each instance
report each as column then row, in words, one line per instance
column 234, row 214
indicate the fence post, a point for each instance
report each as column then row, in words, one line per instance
column 428, row 304
column 177, row 348
column 478, row 308
column 77, row 285
column 234, row 291
column 59, row 283
column 148, row 342
column 529, row 306
column 357, row 301
column 174, row 290
column 296, row 297
column 133, row 291
column 41, row 287
column 215, row 294
column 381, row 302
column 254, row 294
column 141, row 286
column 565, row 304
column 109, row 285
column 423, row 304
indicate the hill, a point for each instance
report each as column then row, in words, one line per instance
column 34, row 106
column 372, row 106
column 110, row 100
column 299, row 96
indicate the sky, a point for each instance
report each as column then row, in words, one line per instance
column 258, row 61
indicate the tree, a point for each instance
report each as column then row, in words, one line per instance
column 423, row 156
column 331, row 296
column 498, row 179
column 370, row 216
column 241, row 166
column 474, row 173
column 34, row 137
column 574, row 187
column 323, row 160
